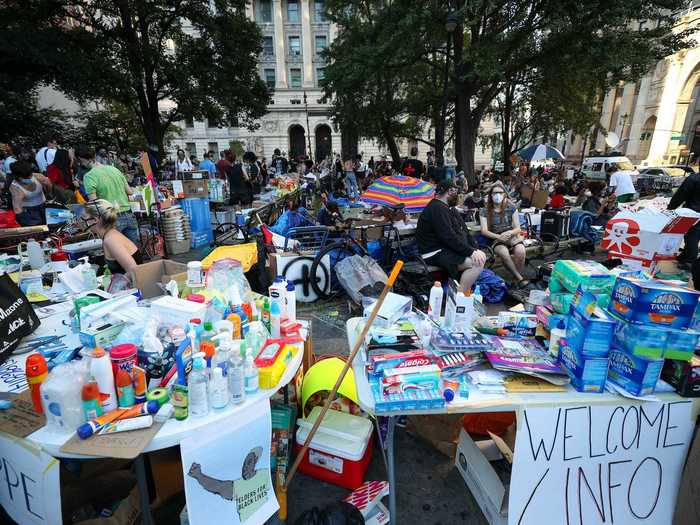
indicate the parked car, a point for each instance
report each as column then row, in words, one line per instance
column 669, row 174
column 688, row 169
column 595, row 167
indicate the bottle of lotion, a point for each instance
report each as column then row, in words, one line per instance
column 101, row 370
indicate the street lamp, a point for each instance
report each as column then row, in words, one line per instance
column 308, row 128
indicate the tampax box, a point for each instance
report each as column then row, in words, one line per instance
column 641, row 340
column 652, row 301
column 681, row 344
column 637, row 375
column 683, row 375
column 590, row 329
column 587, row 374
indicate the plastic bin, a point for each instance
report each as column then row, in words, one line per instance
column 340, row 451
column 198, row 212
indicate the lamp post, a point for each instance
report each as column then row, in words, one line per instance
column 308, row 128
column 450, row 25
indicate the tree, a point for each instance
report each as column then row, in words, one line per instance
column 24, row 123
column 164, row 60
column 496, row 40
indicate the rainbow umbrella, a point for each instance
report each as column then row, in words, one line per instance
column 394, row 190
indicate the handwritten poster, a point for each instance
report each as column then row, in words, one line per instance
column 588, row 465
column 29, row 483
column 227, row 469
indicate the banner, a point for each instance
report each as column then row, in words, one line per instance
column 29, row 483
column 227, row 469
column 594, row 465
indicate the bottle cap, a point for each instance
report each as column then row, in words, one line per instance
column 290, row 286
column 448, row 394
column 561, row 325
column 196, row 320
column 207, row 348
column 98, row 351
column 90, row 391
column 208, row 326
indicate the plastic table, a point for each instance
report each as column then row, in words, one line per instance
column 477, row 402
column 169, row 435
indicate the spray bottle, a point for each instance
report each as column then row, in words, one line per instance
column 198, row 387
column 37, row 372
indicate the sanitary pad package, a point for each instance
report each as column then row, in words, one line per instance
column 590, row 276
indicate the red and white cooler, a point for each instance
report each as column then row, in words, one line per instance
column 341, row 449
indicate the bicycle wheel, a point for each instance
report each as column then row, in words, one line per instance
column 326, row 259
column 301, row 268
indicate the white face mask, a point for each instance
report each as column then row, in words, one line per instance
column 497, row 198
column 588, row 194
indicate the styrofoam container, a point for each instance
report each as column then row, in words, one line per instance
column 340, row 451
column 171, row 310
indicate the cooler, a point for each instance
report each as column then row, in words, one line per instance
column 340, row 451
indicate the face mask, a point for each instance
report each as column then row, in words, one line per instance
column 27, row 181
column 497, row 198
column 588, row 194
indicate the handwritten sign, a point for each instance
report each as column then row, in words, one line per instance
column 598, row 465
column 228, row 484
column 29, row 483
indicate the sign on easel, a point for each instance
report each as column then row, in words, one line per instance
column 29, row 483
column 595, row 465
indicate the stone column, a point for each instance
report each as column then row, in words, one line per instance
column 608, row 105
column 307, row 45
column 666, row 115
column 280, row 45
column 638, row 118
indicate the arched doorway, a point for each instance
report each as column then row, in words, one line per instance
column 323, row 142
column 645, row 137
column 297, row 141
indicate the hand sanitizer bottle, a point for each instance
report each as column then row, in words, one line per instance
column 198, row 387
column 236, row 378
column 251, row 374
column 218, row 389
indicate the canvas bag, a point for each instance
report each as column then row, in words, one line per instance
column 17, row 317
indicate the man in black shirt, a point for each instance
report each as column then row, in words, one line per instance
column 688, row 196
column 279, row 163
column 444, row 239
column 411, row 166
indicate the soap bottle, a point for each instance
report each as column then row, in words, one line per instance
column 222, row 354
column 101, row 370
column 251, row 374
column 207, row 331
column 236, row 378
column 198, row 387
column 555, row 337
column 218, row 389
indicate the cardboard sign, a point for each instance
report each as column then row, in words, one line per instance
column 29, row 483
column 122, row 445
column 227, row 484
column 596, row 465
column 20, row 419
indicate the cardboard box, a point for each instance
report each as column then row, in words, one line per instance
column 683, row 375
column 483, row 481
column 195, row 188
column 590, row 329
column 636, row 375
column 146, row 276
column 588, row 374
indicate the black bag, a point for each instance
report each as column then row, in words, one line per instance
column 555, row 224
column 17, row 317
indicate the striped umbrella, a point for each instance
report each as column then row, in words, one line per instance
column 393, row 190
column 540, row 152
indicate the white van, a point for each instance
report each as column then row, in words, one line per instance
column 595, row 168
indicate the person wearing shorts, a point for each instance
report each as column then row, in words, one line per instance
column 500, row 224
column 444, row 239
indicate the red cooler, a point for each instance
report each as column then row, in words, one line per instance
column 340, row 451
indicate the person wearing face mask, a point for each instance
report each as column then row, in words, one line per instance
column 500, row 224
column 121, row 255
column 27, row 191
column 444, row 239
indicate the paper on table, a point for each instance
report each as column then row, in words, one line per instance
column 123, row 445
column 20, row 419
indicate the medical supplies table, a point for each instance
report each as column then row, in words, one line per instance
column 477, row 402
column 169, row 435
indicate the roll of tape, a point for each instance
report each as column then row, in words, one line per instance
column 158, row 394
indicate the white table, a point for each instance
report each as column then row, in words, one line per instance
column 169, row 435
column 477, row 402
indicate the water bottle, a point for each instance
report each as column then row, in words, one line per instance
column 198, row 387
column 435, row 301
column 35, row 254
column 236, row 378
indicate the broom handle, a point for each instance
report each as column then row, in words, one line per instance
column 358, row 343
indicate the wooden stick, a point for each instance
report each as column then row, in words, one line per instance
column 358, row 343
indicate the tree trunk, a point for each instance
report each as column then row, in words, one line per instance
column 469, row 145
column 393, row 148
column 465, row 153
column 506, row 139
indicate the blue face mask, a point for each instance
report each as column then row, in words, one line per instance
column 27, row 181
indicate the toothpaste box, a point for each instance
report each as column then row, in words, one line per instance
column 589, row 329
column 587, row 374
column 681, row 344
column 642, row 340
column 590, row 276
column 683, row 375
column 637, row 375
column 653, row 302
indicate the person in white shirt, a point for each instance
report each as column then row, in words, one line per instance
column 183, row 163
column 621, row 183
column 45, row 155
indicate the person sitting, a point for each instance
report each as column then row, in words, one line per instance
column 474, row 200
column 329, row 214
column 556, row 201
column 444, row 239
column 593, row 203
column 121, row 255
column 27, row 191
column 500, row 223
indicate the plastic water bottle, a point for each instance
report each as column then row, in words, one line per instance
column 435, row 301
column 251, row 374
column 218, row 389
column 236, row 378
column 36, row 254
column 198, row 387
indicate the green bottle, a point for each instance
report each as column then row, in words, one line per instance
column 266, row 314
column 106, row 278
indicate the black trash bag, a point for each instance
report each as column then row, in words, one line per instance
column 17, row 317
column 336, row 514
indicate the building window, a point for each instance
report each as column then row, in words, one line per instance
column 320, row 11
column 189, row 122
column 270, row 78
column 191, row 148
column 214, row 148
column 321, row 43
column 320, row 74
column 266, row 11
column 293, row 11
column 268, row 47
column 294, row 46
column 295, row 77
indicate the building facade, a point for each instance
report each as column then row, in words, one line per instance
column 657, row 119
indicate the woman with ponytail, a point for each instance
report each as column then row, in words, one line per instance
column 121, row 255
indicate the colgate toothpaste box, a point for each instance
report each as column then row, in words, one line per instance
column 378, row 364
column 654, row 302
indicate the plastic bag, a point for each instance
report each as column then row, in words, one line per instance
column 341, row 513
column 360, row 276
column 493, row 288
column 225, row 274
column 292, row 219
